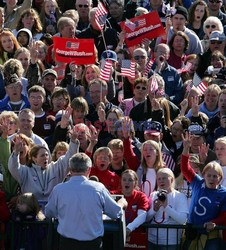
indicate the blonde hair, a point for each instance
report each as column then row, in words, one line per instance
column 215, row 166
column 170, row 173
column 102, row 150
column 158, row 162
column 9, row 114
column 213, row 20
column 221, row 140
column 213, row 88
column 60, row 146
column 32, row 204
column 116, row 144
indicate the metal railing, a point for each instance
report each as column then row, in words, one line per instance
column 43, row 235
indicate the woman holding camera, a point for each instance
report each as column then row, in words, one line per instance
column 169, row 207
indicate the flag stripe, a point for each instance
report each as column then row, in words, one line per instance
column 128, row 68
column 105, row 71
column 101, row 12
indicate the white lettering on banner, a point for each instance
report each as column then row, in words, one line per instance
column 73, row 53
column 143, row 30
column 204, row 208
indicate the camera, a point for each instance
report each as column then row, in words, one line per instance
column 162, row 194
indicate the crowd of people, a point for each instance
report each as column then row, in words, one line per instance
column 157, row 138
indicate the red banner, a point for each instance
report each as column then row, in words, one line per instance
column 81, row 51
column 145, row 26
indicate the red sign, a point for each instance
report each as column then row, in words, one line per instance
column 81, row 51
column 145, row 26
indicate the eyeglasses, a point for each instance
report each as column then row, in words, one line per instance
column 139, row 87
column 83, row 5
column 139, row 57
column 216, row 42
column 215, row 1
column 213, row 26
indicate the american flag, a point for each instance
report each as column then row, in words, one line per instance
column 101, row 16
column 169, row 161
column 105, row 72
column 130, row 25
column 71, row 45
column 140, row 22
column 128, row 68
column 199, row 84
column 153, row 84
column 185, row 68
column 148, row 67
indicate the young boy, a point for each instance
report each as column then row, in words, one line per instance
column 220, row 150
column 102, row 159
column 43, row 127
column 118, row 165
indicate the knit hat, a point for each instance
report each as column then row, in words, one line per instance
column 182, row 11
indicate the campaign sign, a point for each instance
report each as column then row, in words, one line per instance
column 145, row 26
column 81, row 51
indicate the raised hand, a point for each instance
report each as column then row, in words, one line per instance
column 18, row 144
column 203, row 152
column 34, row 52
column 195, row 106
column 93, row 137
column 126, row 127
column 184, row 106
column 73, row 68
column 186, row 143
column 65, row 117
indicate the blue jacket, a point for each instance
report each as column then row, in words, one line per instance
column 4, row 104
column 2, row 87
column 173, row 83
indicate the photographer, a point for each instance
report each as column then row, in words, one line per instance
column 169, row 207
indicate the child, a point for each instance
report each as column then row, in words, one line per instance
column 80, row 110
column 27, row 236
column 118, row 165
column 220, row 131
column 60, row 149
column 220, row 150
column 102, row 159
column 44, row 126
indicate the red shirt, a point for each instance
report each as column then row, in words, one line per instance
column 110, row 180
column 138, row 200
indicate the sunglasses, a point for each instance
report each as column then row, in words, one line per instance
column 215, row 1
column 139, row 57
column 214, row 42
column 213, row 26
column 83, row 5
column 139, row 87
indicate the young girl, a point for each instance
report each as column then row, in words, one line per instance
column 8, row 45
column 27, row 236
column 60, row 149
column 49, row 16
column 220, row 150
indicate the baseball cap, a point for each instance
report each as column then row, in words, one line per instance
column 196, row 129
column 217, row 36
column 110, row 55
column 12, row 79
column 49, row 72
column 152, row 127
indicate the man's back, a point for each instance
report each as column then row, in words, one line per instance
column 79, row 205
